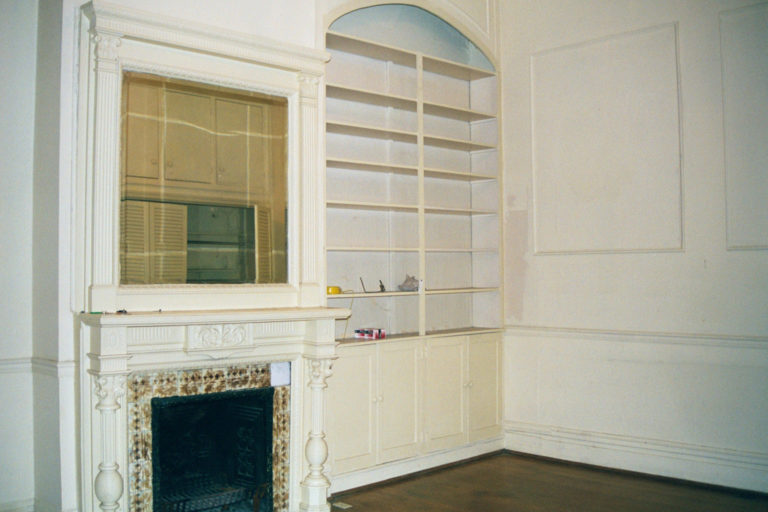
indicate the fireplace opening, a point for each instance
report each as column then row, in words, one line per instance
column 213, row 452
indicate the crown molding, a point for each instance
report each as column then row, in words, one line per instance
column 140, row 25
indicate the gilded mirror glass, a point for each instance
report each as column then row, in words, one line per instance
column 203, row 183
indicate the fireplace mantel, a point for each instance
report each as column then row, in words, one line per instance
column 113, row 346
column 165, row 328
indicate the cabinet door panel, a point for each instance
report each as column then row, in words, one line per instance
column 444, row 393
column 168, row 242
column 189, row 141
column 398, row 400
column 351, row 410
column 134, row 250
column 153, row 243
column 484, row 354
column 142, row 137
column 260, row 157
column 231, row 143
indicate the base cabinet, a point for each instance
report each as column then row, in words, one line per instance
column 394, row 400
column 373, row 405
column 445, row 411
column 351, row 409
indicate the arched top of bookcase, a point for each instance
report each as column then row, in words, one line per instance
column 412, row 28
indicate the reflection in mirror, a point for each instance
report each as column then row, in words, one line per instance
column 203, row 183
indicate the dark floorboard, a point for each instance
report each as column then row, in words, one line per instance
column 507, row 482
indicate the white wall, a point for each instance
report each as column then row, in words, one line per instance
column 291, row 21
column 45, row 277
column 636, row 269
column 18, row 27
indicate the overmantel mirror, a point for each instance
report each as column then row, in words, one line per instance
column 203, row 191
column 200, row 185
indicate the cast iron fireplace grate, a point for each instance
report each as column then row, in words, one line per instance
column 213, row 452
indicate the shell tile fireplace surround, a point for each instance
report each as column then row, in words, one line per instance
column 140, row 342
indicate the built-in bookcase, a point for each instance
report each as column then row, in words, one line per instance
column 413, row 188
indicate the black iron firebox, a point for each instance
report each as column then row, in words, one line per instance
column 213, row 452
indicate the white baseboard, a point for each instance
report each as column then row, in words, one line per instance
column 18, row 506
column 395, row 469
column 705, row 464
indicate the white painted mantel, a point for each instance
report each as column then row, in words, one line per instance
column 125, row 329
column 114, row 345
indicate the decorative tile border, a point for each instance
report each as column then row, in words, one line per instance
column 144, row 386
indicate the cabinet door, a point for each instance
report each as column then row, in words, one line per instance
column 350, row 409
column 265, row 261
column 154, row 243
column 398, row 400
column 142, row 130
column 189, row 140
column 231, row 143
column 134, row 243
column 484, row 404
column 444, row 393
column 261, row 164
column 168, row 242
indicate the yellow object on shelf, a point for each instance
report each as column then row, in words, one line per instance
column 333, row 290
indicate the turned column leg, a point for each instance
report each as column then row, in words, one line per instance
column 108, row 485
column 314, row 488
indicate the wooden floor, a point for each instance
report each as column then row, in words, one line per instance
column 507, row 482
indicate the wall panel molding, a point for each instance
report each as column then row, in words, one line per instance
column 479, row 14
column 37, row 366
column 709, row 464
column 607, row 143
column 646, row 337
column 16, row 365
column 682, row 405
column 743, row 42
column 18, row 506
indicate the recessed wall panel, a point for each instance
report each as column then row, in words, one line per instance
column 606, row 145
column 744, row 39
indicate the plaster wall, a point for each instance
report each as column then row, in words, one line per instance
column 18, row 29
column 636, row 270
